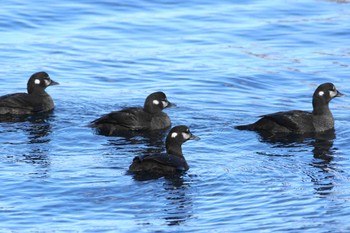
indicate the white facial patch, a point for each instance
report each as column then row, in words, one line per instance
column 186, row 135
column 165, row 103
column 156, row 102
column 321, row 93
column 37, row 81
column 47, row 82
column 333, row 93
column 174, row 135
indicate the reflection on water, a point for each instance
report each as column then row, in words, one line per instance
column 178, row 206
column 322, row 144
column 217, row 62
column 39, row 132
column 323, row 155
column 36, row 130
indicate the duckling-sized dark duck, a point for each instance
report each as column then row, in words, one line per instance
column 301, row 122
column 172, row 161
column 150, row 117
column 35, row 101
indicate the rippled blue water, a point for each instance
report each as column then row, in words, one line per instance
column 223, row 63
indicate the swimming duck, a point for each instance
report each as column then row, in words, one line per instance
column 150, row 117
column 172, row 161
column 300, row 122
column 35, row 101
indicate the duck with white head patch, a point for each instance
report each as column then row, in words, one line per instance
column 35, row 101
column 150, row 117
column 172, row 161
column 301, row 122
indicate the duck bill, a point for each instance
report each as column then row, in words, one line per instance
column 168, row 104
column 194, row 137
column 339, row 94
column 53, row 83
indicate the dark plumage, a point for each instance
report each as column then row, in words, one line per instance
column 171, row 162
column 301, row 122
column 150, row 117
column 35, row 101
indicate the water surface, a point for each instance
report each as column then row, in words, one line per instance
column 223, row 63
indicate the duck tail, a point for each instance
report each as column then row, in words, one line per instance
column 245, row 127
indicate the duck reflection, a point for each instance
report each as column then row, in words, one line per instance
column 323, row 156
column 37, row 144
column 37, row 129
column 178, row 208
column 323, row 146
column 38, row 132
column 177, row 204
column 323, row 151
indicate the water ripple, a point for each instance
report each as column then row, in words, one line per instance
column 223, row 64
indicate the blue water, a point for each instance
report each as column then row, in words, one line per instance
column 223, row 63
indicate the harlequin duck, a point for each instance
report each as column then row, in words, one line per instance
column 35, row 101
column 150, row 117
column 172, row 161
column 301, row 122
